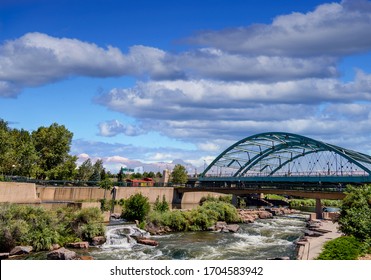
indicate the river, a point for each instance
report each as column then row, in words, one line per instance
column 263, row 239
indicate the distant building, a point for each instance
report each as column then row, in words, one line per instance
column 165, row 177
column 146, row 182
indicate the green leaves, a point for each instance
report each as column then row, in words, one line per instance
column 40, row 228
column 179, row 175
column 136, row 207
column 355, row 216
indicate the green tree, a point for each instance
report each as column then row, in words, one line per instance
column 136, row 207
column 25, row 157
column 6, row 150
column 52, row 145
column 107, row 185
column 355, row 216
column 121, row 175
column 179, row 174
column 97, row 171
column 85, row 170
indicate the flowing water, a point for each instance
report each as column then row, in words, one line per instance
column 263, row 239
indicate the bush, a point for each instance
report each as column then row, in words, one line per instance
column 27, row 225
column 136, row 207
column 41, row 228
column 222, row 198
column 161, row 206
column 342, row 248
column 197, row 219
column 87, row 223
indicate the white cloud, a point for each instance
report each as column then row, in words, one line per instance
column 114, row 127
column 331, row 29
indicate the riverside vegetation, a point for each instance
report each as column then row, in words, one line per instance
column 355, row 223
column 41, row 228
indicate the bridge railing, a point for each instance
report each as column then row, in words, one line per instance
column 293, row 174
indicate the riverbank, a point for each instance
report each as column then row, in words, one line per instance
column 310, row 247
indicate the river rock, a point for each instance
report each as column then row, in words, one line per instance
column 54, row 247
column 233, row 228
column 147, row 241
column 20, row 250
column 86, row 258
column 61, row 254
column 78, row 245
column 264, row 215
column 157, row 230
column 98, row 240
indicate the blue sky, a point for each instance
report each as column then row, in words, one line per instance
column 141, row 82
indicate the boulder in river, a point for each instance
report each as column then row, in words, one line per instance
column 20, row 250
column 61, row 254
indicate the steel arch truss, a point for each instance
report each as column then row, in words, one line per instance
column 286, row 154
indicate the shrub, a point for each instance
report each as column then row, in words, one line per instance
column 197, row 219
column 342, row 248
column 88, row 223
column 41, row 228
column 161, row 206
column 136, row 207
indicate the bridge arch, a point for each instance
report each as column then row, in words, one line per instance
column 277, row 154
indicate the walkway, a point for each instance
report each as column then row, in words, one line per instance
column 313, row 246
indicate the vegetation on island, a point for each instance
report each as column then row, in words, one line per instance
column 41, row 228
column 211, row 210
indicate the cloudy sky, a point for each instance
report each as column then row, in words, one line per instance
column 153, row 81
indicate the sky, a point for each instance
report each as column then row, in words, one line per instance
column 141, row 83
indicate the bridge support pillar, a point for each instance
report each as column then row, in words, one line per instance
column 318, row 208
column 234, row 200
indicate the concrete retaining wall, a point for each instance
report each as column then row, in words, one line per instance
column 30, row 193
column 18, row 192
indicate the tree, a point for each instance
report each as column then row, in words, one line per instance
column 85, row 170
column 179, row 174
column 52, row 145
column 107, row 185
column 97, row 171
column 25, row 157
column 355, row 216
column 121, row 175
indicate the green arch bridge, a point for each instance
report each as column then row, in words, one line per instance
column 285, row 163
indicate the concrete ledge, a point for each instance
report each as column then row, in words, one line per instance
column 18, row 193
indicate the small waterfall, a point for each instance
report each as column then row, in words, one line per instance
column 122, row 236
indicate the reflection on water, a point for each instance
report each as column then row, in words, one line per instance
column 263, row 239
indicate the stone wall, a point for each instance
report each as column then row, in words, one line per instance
column 18, row 193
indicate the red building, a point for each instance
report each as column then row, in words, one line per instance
column 145, row 182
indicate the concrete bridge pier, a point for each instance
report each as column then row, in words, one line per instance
column 318, row 208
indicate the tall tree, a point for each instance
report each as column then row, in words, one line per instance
column 5, row 148
column 24, row 153
column 52, row 145
column 179, row 174
column 97, row 171
column 85, row 170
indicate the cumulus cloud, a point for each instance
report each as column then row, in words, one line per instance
column 331, row 29
column 114, row 127
column 36, row 59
